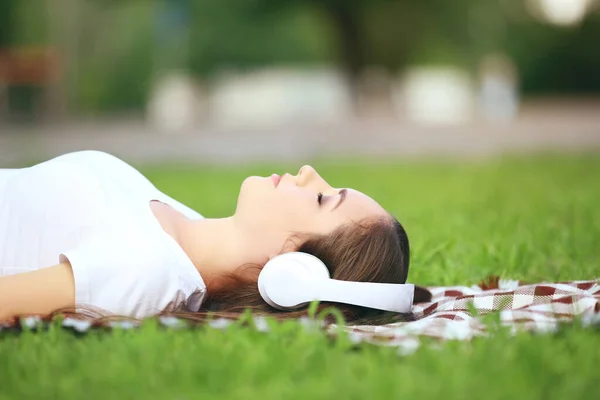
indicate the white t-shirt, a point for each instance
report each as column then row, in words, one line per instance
column 92, row 209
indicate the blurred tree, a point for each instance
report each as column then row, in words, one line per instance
column 248, row 34
column 346, row 22
column 171, row 34
column 394, row 33
column 345, row 17
column 117, row 45
column 7, row 19
column 555, row 60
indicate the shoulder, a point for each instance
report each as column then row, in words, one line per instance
column 93, row 157
column 131, row 273
column 110, row 169
column 54, row 184
column 97, row 162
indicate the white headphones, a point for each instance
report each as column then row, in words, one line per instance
column 292, row 280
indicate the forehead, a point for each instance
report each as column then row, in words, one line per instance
column 359, row 205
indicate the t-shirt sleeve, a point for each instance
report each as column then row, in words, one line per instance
column 124, row 274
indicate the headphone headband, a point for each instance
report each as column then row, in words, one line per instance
column 292, row 280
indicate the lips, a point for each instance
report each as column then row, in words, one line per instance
column 275, row 178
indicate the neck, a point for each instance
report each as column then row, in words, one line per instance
column 217, row 247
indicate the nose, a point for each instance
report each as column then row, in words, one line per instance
column 305, row 171
column 308, row 177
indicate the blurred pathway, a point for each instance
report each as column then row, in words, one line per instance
column 550, row 126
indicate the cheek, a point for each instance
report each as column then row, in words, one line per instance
column 294, row 211
column 279, row 209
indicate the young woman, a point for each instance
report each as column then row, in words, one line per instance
column 86, row 230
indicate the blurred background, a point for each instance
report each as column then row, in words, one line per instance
column 241, row 80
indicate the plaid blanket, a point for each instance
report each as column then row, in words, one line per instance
column 453, row 312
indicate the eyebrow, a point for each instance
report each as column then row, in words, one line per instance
column 342, row 194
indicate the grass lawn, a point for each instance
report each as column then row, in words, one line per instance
column 535, row 219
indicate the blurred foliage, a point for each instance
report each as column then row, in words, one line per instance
column 120, row 45
column 6, row 22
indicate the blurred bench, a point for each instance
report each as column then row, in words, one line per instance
column 33, row 67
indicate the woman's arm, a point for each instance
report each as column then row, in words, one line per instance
column 37, row 292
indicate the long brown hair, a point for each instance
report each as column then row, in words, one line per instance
column 374, row 250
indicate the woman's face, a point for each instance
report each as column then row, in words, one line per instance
column 301, row 203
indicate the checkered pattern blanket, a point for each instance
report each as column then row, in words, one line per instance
column 453, row 312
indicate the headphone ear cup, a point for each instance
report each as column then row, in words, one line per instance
column 309, row 263
column 292, row 280
column 285, row 279
column 262, row 278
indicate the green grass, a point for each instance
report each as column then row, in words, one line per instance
column 527, row 218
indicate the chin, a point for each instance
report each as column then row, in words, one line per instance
column 252, row 186
column 254, row 192
column 253, row 182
